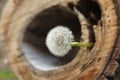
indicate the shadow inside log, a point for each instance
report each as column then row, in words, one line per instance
column 34, row 45
column 34, row 39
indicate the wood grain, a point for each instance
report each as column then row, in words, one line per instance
column 99, row 63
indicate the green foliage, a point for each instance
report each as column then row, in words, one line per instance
column 6, row 74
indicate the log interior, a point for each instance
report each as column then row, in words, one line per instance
column 34, row 40
column 34, row 45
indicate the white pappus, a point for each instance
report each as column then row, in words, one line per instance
column 58, row 41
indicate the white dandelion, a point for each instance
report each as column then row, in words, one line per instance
column 58, row 41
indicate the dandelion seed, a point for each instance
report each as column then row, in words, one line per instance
column 58, row 41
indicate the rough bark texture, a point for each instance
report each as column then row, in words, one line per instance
column 99, row 63
column 111, row 71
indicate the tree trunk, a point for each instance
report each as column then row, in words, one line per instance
column 25, row 23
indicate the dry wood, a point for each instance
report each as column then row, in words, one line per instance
column 98, row 63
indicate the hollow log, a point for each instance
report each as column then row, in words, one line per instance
column 24, row 25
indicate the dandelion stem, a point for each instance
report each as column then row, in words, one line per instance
column 78, row 44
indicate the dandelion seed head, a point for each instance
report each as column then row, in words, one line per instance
column 58, row 41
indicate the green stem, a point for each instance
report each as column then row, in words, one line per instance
column 78, row 44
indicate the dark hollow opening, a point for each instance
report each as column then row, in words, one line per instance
column 34, row 45
column 34, row 39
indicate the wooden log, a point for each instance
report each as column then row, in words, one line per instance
column 28, row 21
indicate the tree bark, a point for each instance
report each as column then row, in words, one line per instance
column 22, row 19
